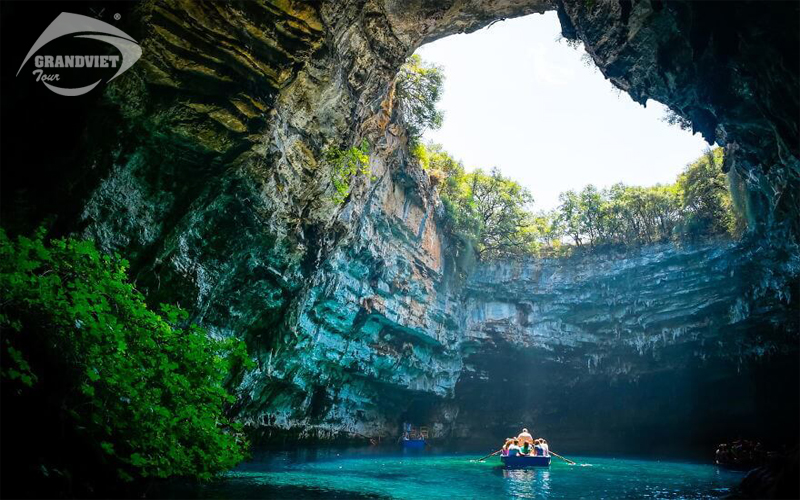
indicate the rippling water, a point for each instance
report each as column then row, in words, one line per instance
column 375, row 473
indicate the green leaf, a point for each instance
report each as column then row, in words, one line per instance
column 125, row 372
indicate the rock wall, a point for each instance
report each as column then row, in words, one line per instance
column 373, row 325
column 628, row 353
column 202, row 164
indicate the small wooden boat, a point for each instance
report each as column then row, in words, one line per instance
column 415, row 444
column 524, row 461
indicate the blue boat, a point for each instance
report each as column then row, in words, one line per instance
column 415, row 444
column 523, row 461
column 414, row 438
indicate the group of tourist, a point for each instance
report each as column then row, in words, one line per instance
column 525, row 445
column 741, row 453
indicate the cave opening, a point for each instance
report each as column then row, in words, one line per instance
column 517, row 98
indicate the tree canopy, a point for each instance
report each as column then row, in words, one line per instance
column 419, row 88
column 493, row 214
column 698, row 205
column 490, row 212
column 345, row 166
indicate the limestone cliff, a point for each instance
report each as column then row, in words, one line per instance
column 685, row 340
column 203, row 165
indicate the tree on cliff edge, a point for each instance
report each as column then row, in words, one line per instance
column 419, row 88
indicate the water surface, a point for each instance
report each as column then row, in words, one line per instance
column 375, row 473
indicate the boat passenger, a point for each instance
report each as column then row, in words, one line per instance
column 525, row 437
column 506, row 445
column 538, row 449
column 513, row 450
column 526, row 449
column 546, row 448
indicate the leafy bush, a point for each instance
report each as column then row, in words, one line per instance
column 346, row 164
column 419, row 88
column 706, row 198
column 96, row 383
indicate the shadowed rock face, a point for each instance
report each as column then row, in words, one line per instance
column 660, row 351
column 204, row 167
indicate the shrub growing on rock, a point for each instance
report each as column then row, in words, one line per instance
column 346, row 165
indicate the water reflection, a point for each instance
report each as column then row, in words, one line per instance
column 527, row 483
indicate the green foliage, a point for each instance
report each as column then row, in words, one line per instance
column 698, row 205
column 706, row 199
column 141, row 393
column 619, row 215
column 673, row 118
column 436, row 160
column 548, row 235
column 419, row 88
column 499, row 207
column 484, row 212
column 742, row 212
column 345, row 165
column 569, row 217
column 490, row 213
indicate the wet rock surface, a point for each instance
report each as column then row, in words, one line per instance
column 203, row 164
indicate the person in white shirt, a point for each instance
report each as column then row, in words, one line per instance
column 545, row 447
column 524, row 437
column 513, row 450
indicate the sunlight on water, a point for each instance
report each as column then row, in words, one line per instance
column 428, row 475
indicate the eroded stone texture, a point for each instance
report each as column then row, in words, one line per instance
column 223, row 202
column 212, row 182
column 674, row 336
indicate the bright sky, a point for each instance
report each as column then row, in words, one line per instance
column 516, row 98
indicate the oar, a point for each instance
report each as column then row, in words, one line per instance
column 490, row 454
column 562, row 458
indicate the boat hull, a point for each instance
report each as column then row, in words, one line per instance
column 415, row 444
column 524, row 462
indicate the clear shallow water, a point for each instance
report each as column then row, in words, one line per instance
column 430, row 475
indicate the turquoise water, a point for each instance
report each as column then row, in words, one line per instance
column 430, row 475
